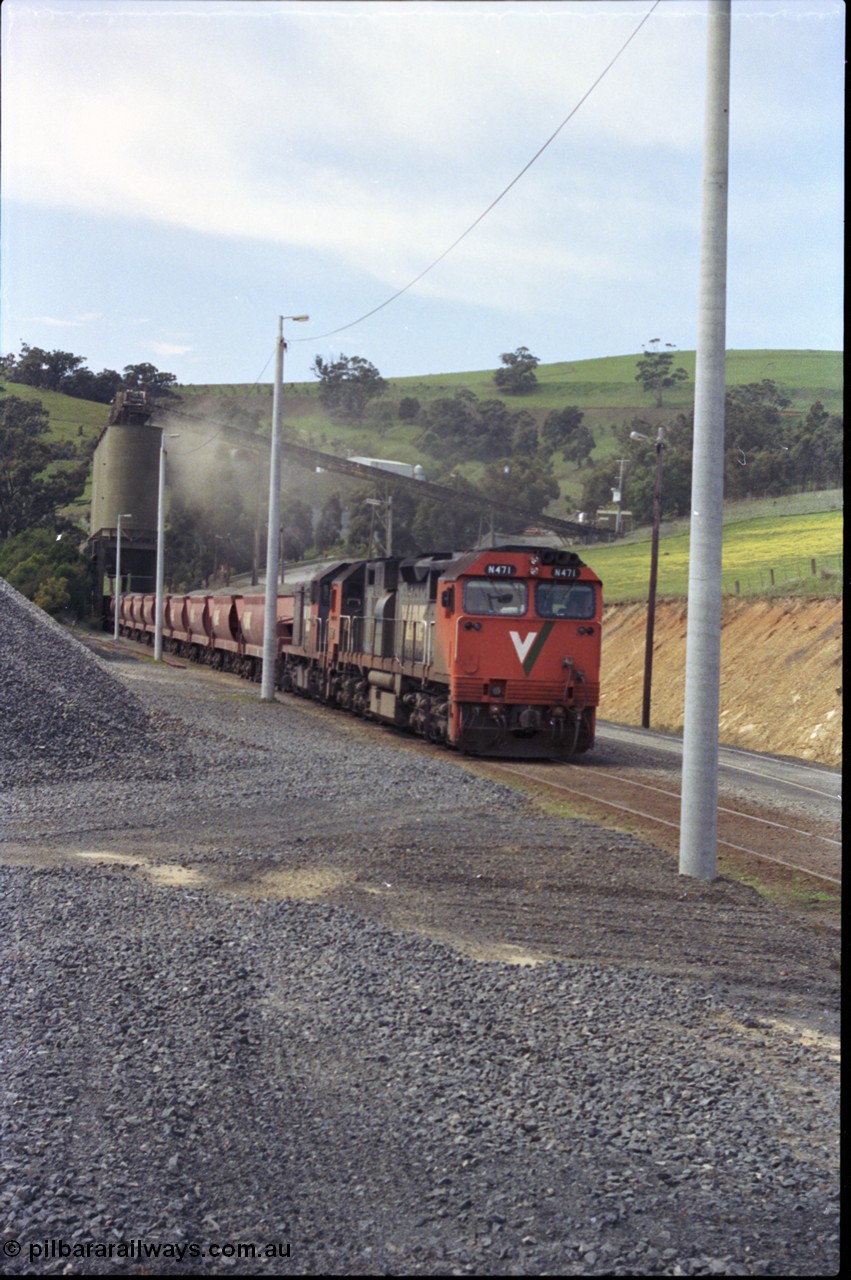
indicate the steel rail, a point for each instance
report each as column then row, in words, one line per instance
column 596, row 798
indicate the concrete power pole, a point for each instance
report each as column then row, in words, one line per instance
column 270, row 612
column 699, row 811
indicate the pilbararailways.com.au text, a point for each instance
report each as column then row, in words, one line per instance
column 142, row 1250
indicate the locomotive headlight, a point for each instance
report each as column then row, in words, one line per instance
column 534, row 570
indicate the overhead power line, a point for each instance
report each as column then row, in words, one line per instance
column 398, row 294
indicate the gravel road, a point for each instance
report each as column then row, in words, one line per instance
column 256, row 992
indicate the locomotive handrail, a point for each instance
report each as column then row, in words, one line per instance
column 416, row 647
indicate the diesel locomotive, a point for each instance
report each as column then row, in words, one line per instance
column 493, row 652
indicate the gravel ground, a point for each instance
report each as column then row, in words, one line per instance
column 211, row 1035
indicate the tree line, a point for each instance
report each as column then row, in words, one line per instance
column 767, row 452
column 41, row 476
column 512, row 450
column 66, row 373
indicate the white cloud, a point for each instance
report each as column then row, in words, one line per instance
column 71, row 322
column 369, row 109
column 169, row 348
column 357, row 141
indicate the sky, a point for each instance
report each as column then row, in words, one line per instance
column 177, row 174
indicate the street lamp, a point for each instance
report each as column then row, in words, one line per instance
column 654, row 571
column 270, row 613
column 125, row 515
column 158, row 607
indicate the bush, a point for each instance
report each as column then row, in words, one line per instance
column 51, row 573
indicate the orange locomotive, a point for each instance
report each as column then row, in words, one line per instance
column 494, row 652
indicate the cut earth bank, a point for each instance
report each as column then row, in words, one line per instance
column 781, row 673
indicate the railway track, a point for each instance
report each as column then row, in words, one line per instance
column 652, row 808
column 647, row 800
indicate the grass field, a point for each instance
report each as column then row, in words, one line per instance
column 606, row 383
column 67, row 414
column 605, row 389
column 759, row 544
column 763, row 555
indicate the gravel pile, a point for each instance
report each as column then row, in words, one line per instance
column 62, row 710
column 186, row 1069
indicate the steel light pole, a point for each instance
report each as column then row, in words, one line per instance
column 125, row 515
column 270, row 614
column 158, row 607
column 654, row 573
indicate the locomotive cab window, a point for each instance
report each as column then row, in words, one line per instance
column 488, row 596
column 565, row 599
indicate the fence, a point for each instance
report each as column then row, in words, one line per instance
column 815, row 575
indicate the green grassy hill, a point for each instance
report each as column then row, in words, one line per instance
column 605, row 383
column 761, row 540
column 605, row 389
column 70, row 418
column 796, row 550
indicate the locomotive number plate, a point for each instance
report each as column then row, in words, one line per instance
column 565, row 571
column 501, row 570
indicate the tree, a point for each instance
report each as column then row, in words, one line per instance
column 36, row 367
column 448, row 426
column 297, row 528
column 64, row 372
column 524, row 432
column 85, row 385
column 580, row 446
column 48, row 570
column 816, row 448
column 347, row 385
column 559, row 426
column 493, row 430
column 365, row 529
column 525, row 483
column 33, row 481
column 450, row 524
column 409, row 408
column 656, row 371
column 756, row 444
column 159, row 384
column 462, row 427
column 518, row 374
column 597, row 488
column 329, row 527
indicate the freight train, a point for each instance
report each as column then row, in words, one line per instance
column 493, row 652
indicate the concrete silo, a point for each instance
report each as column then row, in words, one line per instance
column 124, row 482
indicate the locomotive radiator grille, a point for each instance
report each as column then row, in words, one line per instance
column 541, row 692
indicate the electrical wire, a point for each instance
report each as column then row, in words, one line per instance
column 398, row 294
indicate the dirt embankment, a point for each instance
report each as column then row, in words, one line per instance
column 781, row 673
